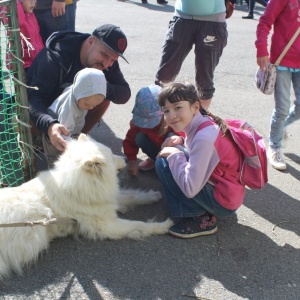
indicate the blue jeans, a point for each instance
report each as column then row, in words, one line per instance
column 147, row 145
column 179, row 204
column 282, row 115
column 48, row 24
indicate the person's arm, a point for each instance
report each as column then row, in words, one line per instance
column 264, row 27
column 130, row 148
column 118, row 90
column 192, row 175
column 58, row 8
column 44, row 75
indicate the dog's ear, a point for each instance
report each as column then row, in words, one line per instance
column 94, row 166
column 82, row 137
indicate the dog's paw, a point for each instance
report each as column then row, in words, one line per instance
column 168, row 223
column 165, row 226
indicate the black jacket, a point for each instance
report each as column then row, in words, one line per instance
column 55, row 67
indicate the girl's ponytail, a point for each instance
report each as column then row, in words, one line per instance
column 220, row 122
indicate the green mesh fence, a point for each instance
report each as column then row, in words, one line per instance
column 17, row 163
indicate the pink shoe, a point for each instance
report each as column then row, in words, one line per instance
column 147, row 165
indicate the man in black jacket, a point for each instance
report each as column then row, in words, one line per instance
column 56, row 65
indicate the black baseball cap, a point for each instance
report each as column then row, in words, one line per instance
column 112, row 37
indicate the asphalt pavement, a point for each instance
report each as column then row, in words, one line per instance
column 255, row 254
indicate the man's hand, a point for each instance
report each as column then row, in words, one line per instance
column 55, row 131
column 58, row 8
column 166, row 151
column 172, row 141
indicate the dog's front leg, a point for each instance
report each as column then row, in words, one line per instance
column 131, row 197
column 120, row 228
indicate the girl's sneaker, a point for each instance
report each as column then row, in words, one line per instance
column 147, row 165
column 195, row 226
column 276, row 159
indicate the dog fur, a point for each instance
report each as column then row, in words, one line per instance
column 83, row 185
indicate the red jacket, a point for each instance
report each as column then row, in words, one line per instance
column 30, row 29
column 131, row 149
column 284, row 15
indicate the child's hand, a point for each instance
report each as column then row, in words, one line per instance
column 133, row 167
column 172, row 141
column 166, row 151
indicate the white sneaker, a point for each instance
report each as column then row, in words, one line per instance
column 276, row 159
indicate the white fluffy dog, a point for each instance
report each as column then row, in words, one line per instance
column 83, row 185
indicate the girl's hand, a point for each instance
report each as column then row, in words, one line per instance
column 263, row 62
column 133, row 167
column 166, row 151
column 172, row 141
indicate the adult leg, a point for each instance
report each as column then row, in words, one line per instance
column 94, row 115
column 280, row 112
column 262, row 2
column 282, row 105
column 178, row 43
column 251, row 4
column 71, row 16
column 294, row 112
column 208, row 51
column 48, row 24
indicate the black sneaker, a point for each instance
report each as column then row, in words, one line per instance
column 248, row 17
column 195, row 226
column 162, row 2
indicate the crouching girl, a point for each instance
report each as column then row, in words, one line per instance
column 198, row 188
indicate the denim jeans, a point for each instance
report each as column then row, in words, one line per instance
column 48, row 24
column 181, row 206
column 147, row 145
column 282, row 115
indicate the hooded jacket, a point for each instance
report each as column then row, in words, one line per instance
column 54, row 69
column 30, row 29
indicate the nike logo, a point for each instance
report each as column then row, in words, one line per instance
column 209, row 39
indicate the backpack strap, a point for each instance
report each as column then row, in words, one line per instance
column 204, row 125
column 219, row 165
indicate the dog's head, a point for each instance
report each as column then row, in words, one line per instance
column 90, row 156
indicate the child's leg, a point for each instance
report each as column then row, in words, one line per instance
column 147, row 146
column 294, row 113
column 208, row 51
column 177, row 45
column 282, row 105
column 179, row 205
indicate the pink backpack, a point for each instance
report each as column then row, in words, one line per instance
column 253, row 172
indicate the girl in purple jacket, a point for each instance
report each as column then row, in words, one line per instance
column 197, row 191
